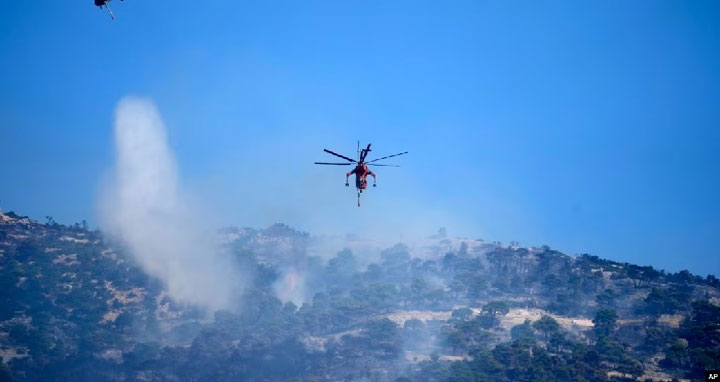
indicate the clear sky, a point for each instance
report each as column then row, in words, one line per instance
column 593, row 127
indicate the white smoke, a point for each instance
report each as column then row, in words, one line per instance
column 292, row 286
column 143, row 206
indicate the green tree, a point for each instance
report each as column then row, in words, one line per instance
column 523, row 331
column 667, row 301
column 702, row 332
column 547, row 326
column 676, row 356
column 605, row 321
column 384, row 336
column 462, row 314
column 607, row 298
column 342, row 266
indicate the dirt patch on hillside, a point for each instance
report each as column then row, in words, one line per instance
column 422, row 315
column 518, row 316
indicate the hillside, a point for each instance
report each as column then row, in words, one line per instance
column 74, row 306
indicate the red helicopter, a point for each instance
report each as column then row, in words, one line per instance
column 361, row 169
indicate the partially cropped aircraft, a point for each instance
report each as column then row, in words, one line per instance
column 104, row 3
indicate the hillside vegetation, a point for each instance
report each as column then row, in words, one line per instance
column 73, row 306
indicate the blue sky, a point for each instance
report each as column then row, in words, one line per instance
column 588, row 126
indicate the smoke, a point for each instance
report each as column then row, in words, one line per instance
column 144, row 207
column 292, row 286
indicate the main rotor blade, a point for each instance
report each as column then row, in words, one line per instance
column 389, row 156
column 365, row 153
column 381, row 165
column 338, row 155
column 112, row 16
column 334, row 164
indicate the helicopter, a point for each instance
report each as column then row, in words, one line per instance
column 104, row 3
column 361, row 170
